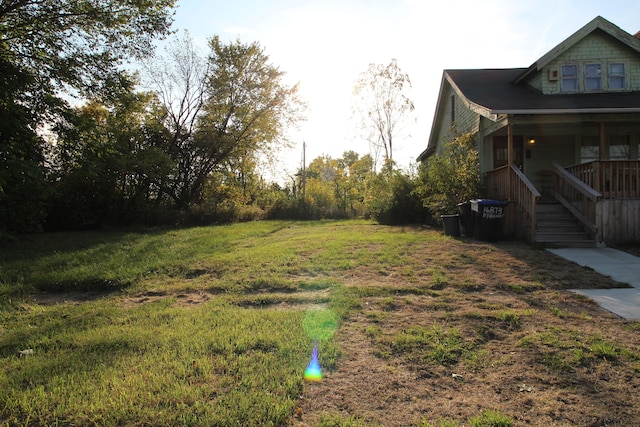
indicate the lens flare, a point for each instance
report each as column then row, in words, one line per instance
column 320, row 324
column 313, row 372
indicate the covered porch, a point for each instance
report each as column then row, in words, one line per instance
column 567, row 184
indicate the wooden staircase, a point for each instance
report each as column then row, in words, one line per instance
column 556, row 227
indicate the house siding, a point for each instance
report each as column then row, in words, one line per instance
column 536, row 81
column 597, row 46
column 465, row 120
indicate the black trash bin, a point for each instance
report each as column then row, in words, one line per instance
column 466, row 218
column 488, row 217
column 451, row 225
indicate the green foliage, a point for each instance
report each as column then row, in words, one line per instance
column 450, row 177
column 334, row 188
column 111, row 163
column 49, row 50
column 23, row 191
column 77, row 44
column 390, row 199
column 247, row 110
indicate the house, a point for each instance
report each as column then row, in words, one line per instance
column 558, row 140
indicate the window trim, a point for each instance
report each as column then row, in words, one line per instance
column 575, row 78
column 581, row 78
column 625, row 75
column 592, row 77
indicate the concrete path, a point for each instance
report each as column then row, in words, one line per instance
column 621, row 267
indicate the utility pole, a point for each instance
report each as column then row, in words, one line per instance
column 304, row 171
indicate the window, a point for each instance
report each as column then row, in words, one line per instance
column 616, row 76
column 569, row 79
column 593, row 76
column 589, row 149
column 619, row 147
column 501, row 151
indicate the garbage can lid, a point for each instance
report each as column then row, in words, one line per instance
column 489, row 202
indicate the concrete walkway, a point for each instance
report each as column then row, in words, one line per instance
column 621, row 267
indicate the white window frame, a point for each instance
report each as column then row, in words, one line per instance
column 570, row 77
column 594, row 77
column 624, row 75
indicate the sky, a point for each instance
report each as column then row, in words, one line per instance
column 324, row 45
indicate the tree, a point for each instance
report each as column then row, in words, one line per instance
column 111, row 163
column 50, row 49
column 451, row 177
column 383, row 105
column 22, row 170
column 246, row 110
column 336, row 187
column 179, row 79
column 390, row 198
column 77, row 44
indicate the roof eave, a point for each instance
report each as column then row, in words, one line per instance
column 556, row 111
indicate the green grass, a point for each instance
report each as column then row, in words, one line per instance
column 566, row 349
column 97, row 363
column 436, row 344
column 229, row 361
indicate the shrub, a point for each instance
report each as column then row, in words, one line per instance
column 451, row 177
column 391, row 199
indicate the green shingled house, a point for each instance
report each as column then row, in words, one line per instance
column 558, row 140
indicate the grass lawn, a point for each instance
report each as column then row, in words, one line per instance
column 215, row 326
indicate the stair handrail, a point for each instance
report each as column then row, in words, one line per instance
column 508, row 182
column 534, row 191
column 585, row 209
column 526, row 196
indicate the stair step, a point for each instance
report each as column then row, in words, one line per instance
column 562, row 235
column 574, row 229
column 557, row 227
column 550, row 208
column 558, row 221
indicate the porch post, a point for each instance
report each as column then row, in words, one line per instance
column 510, row 157
column 603, row 142
column 510, row 154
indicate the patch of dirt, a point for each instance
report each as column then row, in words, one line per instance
column 182, row 299
column 53, row 298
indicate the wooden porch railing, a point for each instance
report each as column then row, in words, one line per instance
column 509, row 183
column 577, row 196
column 613, row 179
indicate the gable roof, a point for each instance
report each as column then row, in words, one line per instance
column 492, row 92
column 598, row 23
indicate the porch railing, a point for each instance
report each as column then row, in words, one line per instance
column 577, row 195
column 613, row 179
column 509, row 183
